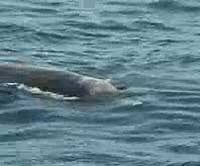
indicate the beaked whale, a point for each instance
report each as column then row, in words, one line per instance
column 62, row 82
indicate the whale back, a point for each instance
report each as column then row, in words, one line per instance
column 61, row 82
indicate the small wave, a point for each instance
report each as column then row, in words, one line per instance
column 44, row 10
column 190, row 59
column 7, row 27
column 104, row 26
column 7, row 95
column 182, row 149
column 27, row 134
column 165, row 42
column 9, row 50
column 37, row 91
column 122, row 12
column 173, row 6
column 125, row 3
column 182, row 115
column 46, row 3
column 92, row 34
column 22, row 116
column 146, row 24
column 187, row 163
column 50, row 36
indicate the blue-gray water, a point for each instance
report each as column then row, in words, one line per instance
column 151, row 47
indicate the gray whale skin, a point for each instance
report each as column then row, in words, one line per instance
column 61, row 82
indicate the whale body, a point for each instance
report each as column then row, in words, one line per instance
column 56, row 81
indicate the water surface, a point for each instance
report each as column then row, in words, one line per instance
column 151, row 47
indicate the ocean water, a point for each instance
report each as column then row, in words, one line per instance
column 150, row 46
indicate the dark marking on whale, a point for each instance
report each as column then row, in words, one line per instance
column 61, row 82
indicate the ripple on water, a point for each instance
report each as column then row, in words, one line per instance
column 28, row 134
column 22, row 116
column 174, row 6
column 139, row 44
column 147, row 24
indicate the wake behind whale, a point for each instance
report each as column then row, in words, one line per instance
column 60, row 82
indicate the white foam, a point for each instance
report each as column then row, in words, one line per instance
column 38, row 91
column 126, row 101
column 10, row 84
column 131, row 102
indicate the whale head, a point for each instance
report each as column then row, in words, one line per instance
column 98, row 87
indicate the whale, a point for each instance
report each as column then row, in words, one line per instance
column 62, row 82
